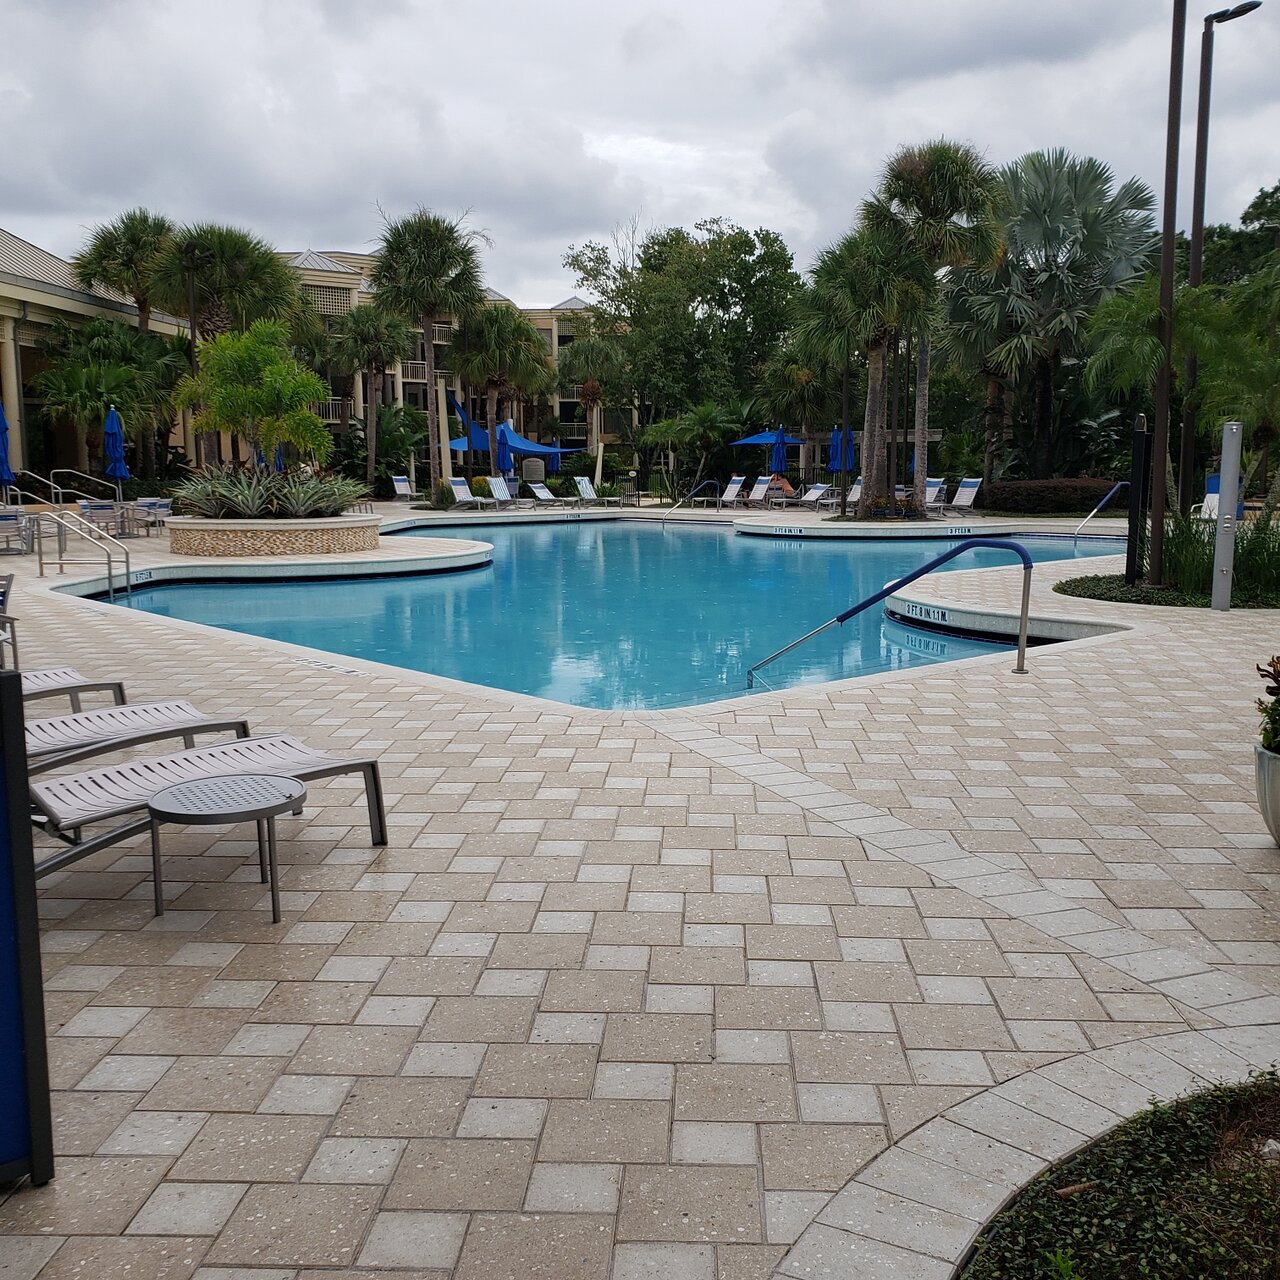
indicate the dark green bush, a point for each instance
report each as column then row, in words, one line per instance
column 1045, row 497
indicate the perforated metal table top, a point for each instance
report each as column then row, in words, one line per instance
column 231, row 797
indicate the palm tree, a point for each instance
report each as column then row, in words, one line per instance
column 593, row 364
column 372, row 338
column 703, row 431
column 941, row 198
column 1071, row 240
column 499, row 348
column 429, row 265
column 122, row 255
column 800, row 392
column 237, row 277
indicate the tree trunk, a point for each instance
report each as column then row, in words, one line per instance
column 922, row 419
column 872, row 433
column 993, row 418
column 144, row 315
column 491, row 418
column 433, row 410
column 371, row 424
column 1042, row 439
column 845, row 435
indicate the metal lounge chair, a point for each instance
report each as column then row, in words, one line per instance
column 832, row 497
column 63, row 806
column 587, row 493
column 403, row 488
column 811, row 497
column 151, row 513
column 966, row 492
column 62, row 740
column 463, row 497
column 16, row 526
column 502, row 493
column 543, row 497
column 731, row 496
column 759, row 492
column 67, row 682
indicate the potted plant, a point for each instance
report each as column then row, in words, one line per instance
column 1267, row 749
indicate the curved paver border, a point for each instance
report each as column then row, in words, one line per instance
column 916, row 1210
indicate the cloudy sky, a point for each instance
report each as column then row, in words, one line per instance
column 554, row 123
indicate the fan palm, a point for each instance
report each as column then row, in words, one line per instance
column 429, row 265
column 941, row 198
column 499, row 348
column 122, row 256
column 801, row 392
column 372, row 338
column 594, row 365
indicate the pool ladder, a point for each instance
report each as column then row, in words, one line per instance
column 998, row 544
column 110, row 550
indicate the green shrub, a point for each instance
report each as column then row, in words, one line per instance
column 480, row 487
column 1045, row 497
column 445, row 496
column 259, row 495
column 1189, row 544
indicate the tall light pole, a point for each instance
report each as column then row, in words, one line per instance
column 1186, row 453
column 1164, row 380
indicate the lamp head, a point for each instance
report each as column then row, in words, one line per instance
column 1239, row 11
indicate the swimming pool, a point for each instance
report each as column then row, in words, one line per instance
column 611, row 613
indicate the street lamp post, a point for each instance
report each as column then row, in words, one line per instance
column 1195, row 270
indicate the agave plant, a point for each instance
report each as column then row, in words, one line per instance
column 263, row 495
column 298, row 496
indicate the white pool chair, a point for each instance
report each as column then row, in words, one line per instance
column 811, row 497
column 759, row 492
column 67, row 682
column 587, row 492
column 501, row 492
column 966, row 492
column 403, row 488
column 831, row 498
column 731, row 496
column 463, row 497
column 63, row 806
column 61, row 740
column 543, row 497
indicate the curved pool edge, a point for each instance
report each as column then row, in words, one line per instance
column 781, row 527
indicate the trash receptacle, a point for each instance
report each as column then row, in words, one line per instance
column 26, row 1135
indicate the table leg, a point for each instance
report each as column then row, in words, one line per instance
column 275, row 881
column 155, row 866
column 262, row 848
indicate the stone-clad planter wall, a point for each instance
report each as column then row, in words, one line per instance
column 327, row 535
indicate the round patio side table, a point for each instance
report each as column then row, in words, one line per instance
column 232, row 797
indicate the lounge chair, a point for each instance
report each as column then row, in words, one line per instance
column 759, row 492
column 67, row 682
column 403, row 488
column 543, row 497
column 832, row 497
column 16, row 526
column 502, row 494
column 935, row 492
column 63, row 806
column 151, row 513
column 812, row 495
column 463, row 497
column 62, row 740
column 729, row 498
column 966, row 492
column 1212, row 504
column 587, row 492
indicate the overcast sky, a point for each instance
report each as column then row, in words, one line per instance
column 555, row 122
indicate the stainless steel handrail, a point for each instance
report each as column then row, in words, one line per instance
column 999, row 544
column 690, row 494
column 66, row 522
column 1123, row 484
column 113, row 485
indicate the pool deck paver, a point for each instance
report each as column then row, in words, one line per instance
column 808, row 981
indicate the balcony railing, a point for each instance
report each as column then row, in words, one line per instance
column 413, row 370
column 442, row 333
column 330, row 410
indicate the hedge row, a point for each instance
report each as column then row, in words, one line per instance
column 1047, row 497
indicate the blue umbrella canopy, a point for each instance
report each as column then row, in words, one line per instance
column 765, row 438
column 778, row 459
column 503, row 458
column 113, row 446
column 6, row 471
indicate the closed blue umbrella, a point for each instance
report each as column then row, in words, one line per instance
column 835, row 454
column 779, row 456
column 279, row 459
column 502, row 461
column 553, row 459
column 849, row 451
column 6, row 472
column 113, row 446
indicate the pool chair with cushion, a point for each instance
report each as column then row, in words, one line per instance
column 543, row 497
column 62, row 740
column 966, row 492
column 67, row 682
column 587, row 492
column 810, row 497
column 759, row 492
column 463, row 497
column 502, row 493
column 62, row 807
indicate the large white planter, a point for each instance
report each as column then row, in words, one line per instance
column 321, row 535
column 1269, row 788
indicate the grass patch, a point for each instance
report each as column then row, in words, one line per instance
column 1183, row 1191
column 1112, row 587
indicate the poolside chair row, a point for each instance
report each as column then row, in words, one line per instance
column 64, row 805
column 500, row 495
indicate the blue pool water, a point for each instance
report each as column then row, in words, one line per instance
column 610, row 614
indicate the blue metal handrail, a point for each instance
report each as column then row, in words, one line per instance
column 998, row 544
column 687, row 496
column 1123, row 484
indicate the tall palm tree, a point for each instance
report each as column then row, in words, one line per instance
column 238, row 278
column 593, row 364
column 429, row 265
column 122, row 255
column 800, row 392
column 1072, row 239
column 372, row 338
column 941, row 197
column 499, row 348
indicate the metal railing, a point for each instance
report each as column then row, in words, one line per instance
column 413, row 370
column 1123, row 484
column 64, row 523
column 59, row 489
column 689, row 495
column 998, row 544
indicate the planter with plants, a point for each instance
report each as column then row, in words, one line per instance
column 1267, row 749
column 261, row 513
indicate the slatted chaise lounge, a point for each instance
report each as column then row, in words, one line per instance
column 63, row 806
column 67, row 682
column 61, row 740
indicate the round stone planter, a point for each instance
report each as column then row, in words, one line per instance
column 1269, row 788
column 318, row 536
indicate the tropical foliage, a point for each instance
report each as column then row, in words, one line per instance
column 262, row 494
column 122, row 256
